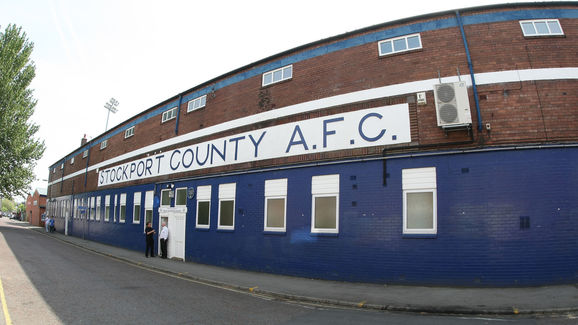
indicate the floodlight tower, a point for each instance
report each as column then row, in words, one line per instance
column 111, row 107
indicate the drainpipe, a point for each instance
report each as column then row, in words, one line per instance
column 178, row 114
column 87, row 163
column 471, row 67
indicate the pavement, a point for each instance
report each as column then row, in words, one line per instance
column 560, row 299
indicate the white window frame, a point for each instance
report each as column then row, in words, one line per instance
column 227, row 192
column 91, row 213
column 203, row 195
column 168, row 190
column 85, row 153
column 62, row 166
column 276, row 189
column 136, row 201
column 98, row 209
column 103, row 144
column 106, row 208
column 197, row 103
column 129, row 132
column 114, row 210
column 169, row 114
column 546, row 21
column 271, row 75
column 177, row 190
column 392, row 40
column 72, row 161
column 325, row 186
column 419, row 180
column 121, row 216
column 149, row 200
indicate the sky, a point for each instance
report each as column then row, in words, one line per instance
column 143, row 52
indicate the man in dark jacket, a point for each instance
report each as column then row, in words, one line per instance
column 150, row 232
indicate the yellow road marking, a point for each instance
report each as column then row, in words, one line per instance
column 361, row 304
column 4, row 305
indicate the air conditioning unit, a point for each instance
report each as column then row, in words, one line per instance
column 452, row 104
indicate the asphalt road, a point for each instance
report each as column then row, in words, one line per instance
column 46, row 281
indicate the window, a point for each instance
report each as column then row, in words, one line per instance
column 325, row 205
column 62, row 166
column 91, row 212
column 181, row 197
column 129, row 132
column 227, row 206
column 197, row 103
column 169, row 115
column 149, row 198
column 72, row 161
column 275, row 204
column 103, row 144
column 97, row 208
column 136, row 208
column 107, row 208
column 85, row 153
column 122, row 213
column 278, row 75
column 399, row 44
column 419, row 201
column 541, row 27
column 203, row 206
column 166, row 197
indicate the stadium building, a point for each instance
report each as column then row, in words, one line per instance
column 435, row 150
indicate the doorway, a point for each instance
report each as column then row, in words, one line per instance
column 174, row 218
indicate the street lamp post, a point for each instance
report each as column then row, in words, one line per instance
column 111, row 107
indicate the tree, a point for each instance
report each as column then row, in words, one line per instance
column 8, row 205
column 19, row 150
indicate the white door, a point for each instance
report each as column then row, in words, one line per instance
column 175, row 219
column 176, row 247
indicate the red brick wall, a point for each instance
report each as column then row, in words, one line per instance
column 517, row 112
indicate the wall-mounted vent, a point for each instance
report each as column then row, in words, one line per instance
column 452, row 104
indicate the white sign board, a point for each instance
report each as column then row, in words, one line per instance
column 377, row 126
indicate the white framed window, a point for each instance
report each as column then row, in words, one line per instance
column 399, row 44
column 72, row 161
column 85, row 153
column 90, row 211
column 226, row 218
column 98, row 208
column 122, row 213
column 136, row 208
column 419, row 200
column 169, row 115
column 275, row 205
column 181, row 196
column 166, row 197
column 54, row 170
column 114, row 212
column 103, row 144
column 541, row 27
column 278, row 75
column 197, row 103
column 203, row 206
column 107, row 208
column 129, row 132
column 149, row 199
column 62, row 166
column 325, row 204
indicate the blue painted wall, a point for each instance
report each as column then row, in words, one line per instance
column 481, row 198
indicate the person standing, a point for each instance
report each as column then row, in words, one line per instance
column 164, row 238
column 150, row 233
